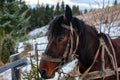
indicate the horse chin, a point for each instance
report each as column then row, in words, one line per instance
column 50, row 76
column 53, row 75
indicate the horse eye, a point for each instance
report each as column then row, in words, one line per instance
column 60, row 39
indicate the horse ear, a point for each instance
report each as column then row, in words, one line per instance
column 68, row 13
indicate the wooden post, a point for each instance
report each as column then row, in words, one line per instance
column 14, row 71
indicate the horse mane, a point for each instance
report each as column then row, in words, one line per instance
column 85, row 32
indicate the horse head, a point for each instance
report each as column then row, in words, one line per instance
column 57, row 42
column 66, row 34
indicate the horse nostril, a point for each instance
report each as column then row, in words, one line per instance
column 43, row 73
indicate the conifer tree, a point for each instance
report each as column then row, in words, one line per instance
column 115, row 2
column 12, row 22
column 52, row 11
column 57, row 10
column 62, row 7
column 85, row 11
column 47, row 14
column 7, row 49
column 75, row 10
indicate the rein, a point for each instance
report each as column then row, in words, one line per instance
column 51, row 59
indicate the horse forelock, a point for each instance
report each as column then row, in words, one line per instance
column 55, row 26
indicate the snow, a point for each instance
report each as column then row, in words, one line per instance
column 6, row 75
column 42, row 30
column 115, row 31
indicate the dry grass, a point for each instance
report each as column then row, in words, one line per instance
column 26, row 50
column 1, row 63
column 74, row 73
column 104, row 15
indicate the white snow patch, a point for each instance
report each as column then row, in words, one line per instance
column 42, row 30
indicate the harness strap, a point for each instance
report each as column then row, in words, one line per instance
column 49, row 58
column 104, row 71
column 72, row 30
column 69, row 41
column 99, row 74
column 103, row 61
column 104, row 47
column 115, row 60
column 112, row 57
column 86, row 72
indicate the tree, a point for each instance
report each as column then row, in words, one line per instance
column 52, row 11
column 57, row 10
column 75, row 10
column 12, row 22
column 38, row 15
column 47, row 16
column 85, row 11
column 115, row 2
column 62, row 7
column 7, row 49
column 1, row 4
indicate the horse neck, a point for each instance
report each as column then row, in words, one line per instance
column 87, row 53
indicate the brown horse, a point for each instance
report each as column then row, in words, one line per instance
column 70, row 37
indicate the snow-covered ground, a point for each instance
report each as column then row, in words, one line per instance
column 115, row 31
column 42, row 30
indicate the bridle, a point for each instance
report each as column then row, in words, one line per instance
column 69, row 53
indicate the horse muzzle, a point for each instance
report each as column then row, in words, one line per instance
column 47, row 69
column 44, row 74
